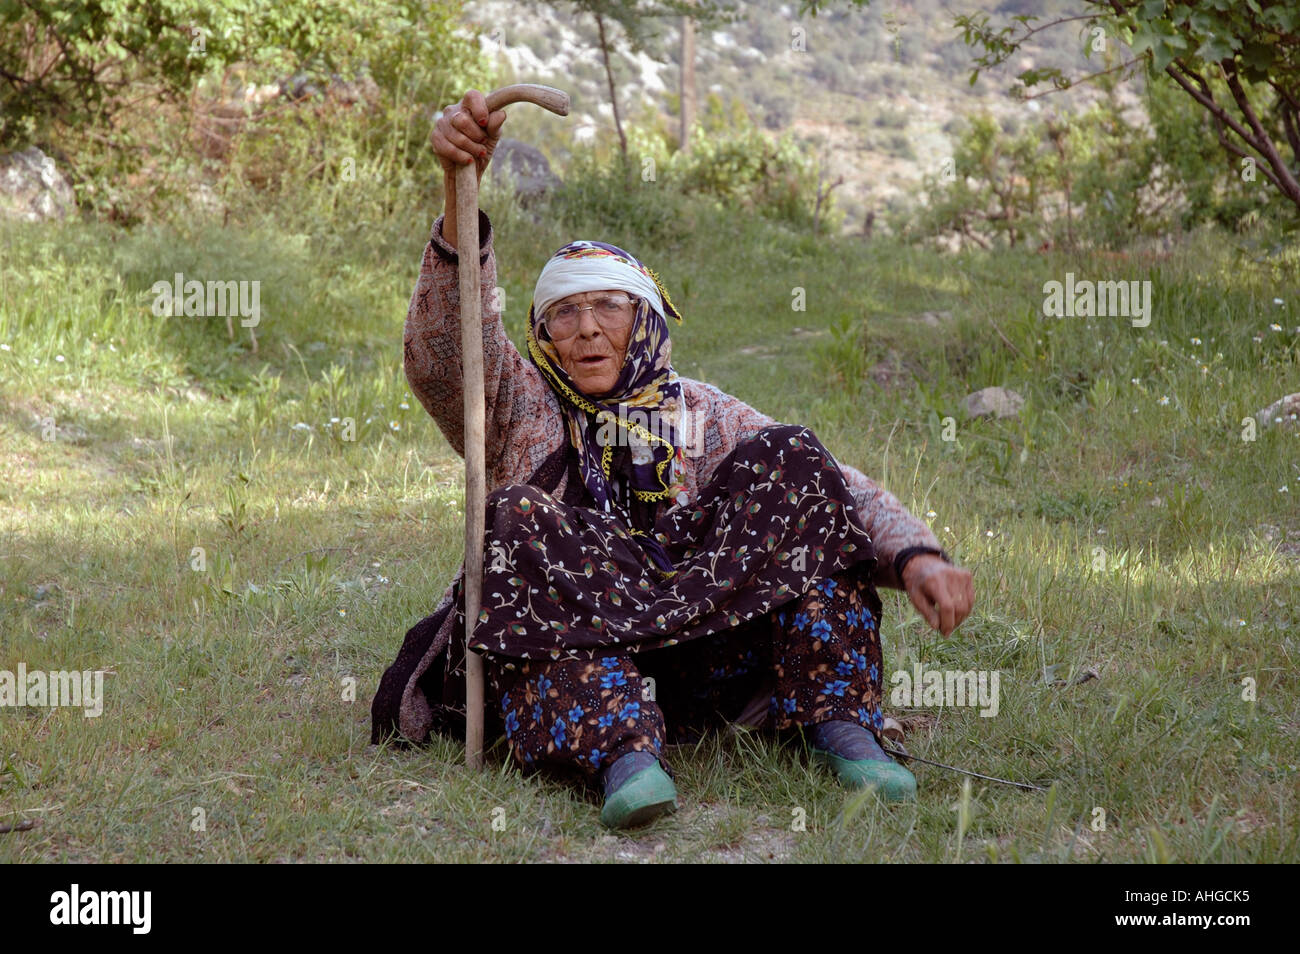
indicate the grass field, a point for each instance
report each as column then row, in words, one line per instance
column 1121, row 524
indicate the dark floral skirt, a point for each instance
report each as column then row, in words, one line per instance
column 817, row 658
column 567, row 581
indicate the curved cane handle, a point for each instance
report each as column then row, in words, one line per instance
column 547, row 97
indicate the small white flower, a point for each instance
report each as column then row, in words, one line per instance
column 988, row 533
column 1275, row 326
column 1257, row 339
column 343, row 612
column 302, row 426
column 1164, row 399
column 334, row 420
column 404, row 406
column 1241, row 622
column 36, row 360
column 1282, row 490
column 1277, row 301
column 1101, row 531
column 375, row 564
column 4, row 347
column 947, row 529
column 931, row 514
column 394, row 425
column 1196, row 341
column 1134, row 380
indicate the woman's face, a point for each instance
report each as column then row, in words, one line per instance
column 593, row 357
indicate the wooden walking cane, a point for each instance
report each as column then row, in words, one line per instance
column 471, row 328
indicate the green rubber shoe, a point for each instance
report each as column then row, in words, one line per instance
column 640, row 800
column 892, row 782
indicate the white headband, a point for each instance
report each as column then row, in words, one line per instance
column 562, row 277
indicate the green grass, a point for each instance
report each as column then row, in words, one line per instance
column 1106, row 530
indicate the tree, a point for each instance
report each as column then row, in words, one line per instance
column 1239, row 60
column 687, row 83
column 635, row 19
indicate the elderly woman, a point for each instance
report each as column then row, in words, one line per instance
column 658, row 553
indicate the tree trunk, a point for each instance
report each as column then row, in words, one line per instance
column 688, row 82
column 609, row 75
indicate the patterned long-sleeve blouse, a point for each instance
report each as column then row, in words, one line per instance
column 524, row 421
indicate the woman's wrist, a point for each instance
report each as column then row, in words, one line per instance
column 905, row 556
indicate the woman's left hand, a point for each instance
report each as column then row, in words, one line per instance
column 941, row 592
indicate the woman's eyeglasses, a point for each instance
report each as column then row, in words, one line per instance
column 611, row 312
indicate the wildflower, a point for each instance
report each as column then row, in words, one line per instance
column 1135, row 380
column 5, row 347
column 931, row 514
column 342, row 612
column 1164, row 399
column 1282, row 489
column 59, row 358
column 1275, row 326
column 394, row 425
column 1196, row 341
column 1277, row 301
column 302, row 426
column 404, row 406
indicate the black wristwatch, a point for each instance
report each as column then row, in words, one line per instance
column 903, row 556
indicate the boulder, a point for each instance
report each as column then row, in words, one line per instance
column 999, row 402
column 1284, row 412
column 32, row 189
column 526, row 167
column 934, row 319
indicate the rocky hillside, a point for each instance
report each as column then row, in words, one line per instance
column 878, row 93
